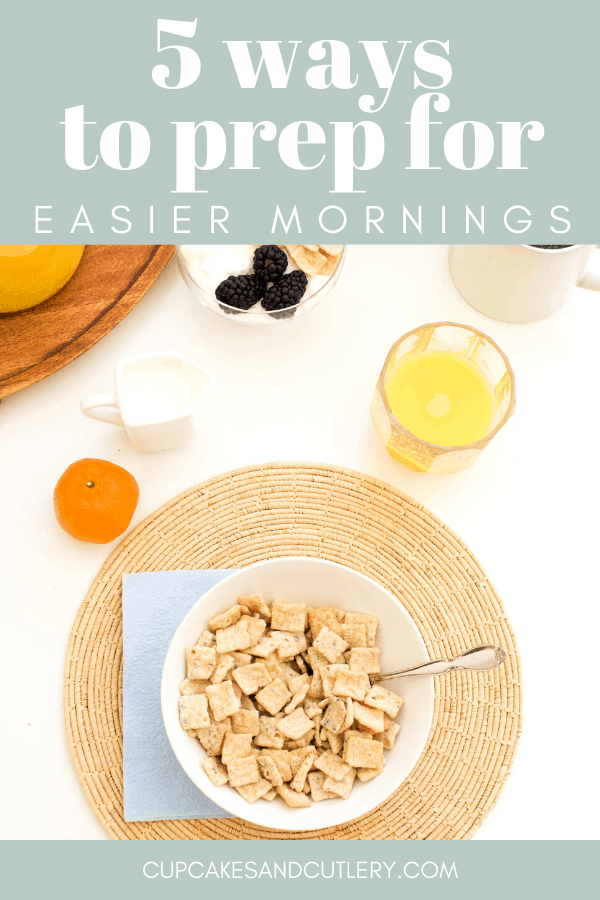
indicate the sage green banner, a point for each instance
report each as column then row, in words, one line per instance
column 346, row 122
column 478, row 870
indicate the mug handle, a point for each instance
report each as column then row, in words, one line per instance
column 103, row 407
column 591, row 276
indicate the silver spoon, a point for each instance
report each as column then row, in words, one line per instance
column 479, row 659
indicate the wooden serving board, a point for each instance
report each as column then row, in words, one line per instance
column 108, row 283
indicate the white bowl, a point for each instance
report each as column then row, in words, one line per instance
column 315, row 582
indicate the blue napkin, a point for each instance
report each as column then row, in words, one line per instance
column 155, row 785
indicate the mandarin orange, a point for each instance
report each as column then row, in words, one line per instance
column 94, row 500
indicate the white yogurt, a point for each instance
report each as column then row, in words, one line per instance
column 210, row 265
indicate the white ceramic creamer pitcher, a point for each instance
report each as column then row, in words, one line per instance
column 154, row 400
column 521, row 283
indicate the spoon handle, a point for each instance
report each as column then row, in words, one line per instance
column 479, row 659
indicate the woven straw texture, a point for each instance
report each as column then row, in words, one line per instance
column 276, row 510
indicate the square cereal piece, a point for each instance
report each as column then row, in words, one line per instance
column 236, row 746
column 266, row 646
column 333, row 766
column 355, row 685
column 388, row 737
column 308, row 258
column 311, row 709
column 281, row 758
column 224, row 665
column 215, row 771
column 354, row 635
column 329, row 675
column 371, row 719
column 288, row 616
column 242, row 770
column 349, row 720
column 330, row 266
column 315, row 691
column 287, row 672
column 296, row 684
column 256, row 629
column 245, row 722
column 212, row 738
column 222, row 699
column 193, row 711
column 253, row 792
column 268, row 769
column 315, row 780
column 299, row 779
column 302, row 742
column 201, row 662
column 270, row 795
column 247, row 702
column 329, row 644
column 340, row 614
column 269, row 735
column 295, row 725
column 365, row 659
column 235, row 637
column 321, row 618
column 274, row 696
column 364, row 754
column 388, row 701
column 297, row 699
column 293, row 798
column 251, row 678
column 290, row 645
column 206, row 639
column 343, row 787
column 316, row 660
column 299, row 660
column 273, row 668
column 197, row 686
column 241, row 659
column 227, row 618
column 369, row 774
column 354, row 732
column 297, row 757
column 334, row 716
column 336, row 741
column 255, row 603
column 370, row 622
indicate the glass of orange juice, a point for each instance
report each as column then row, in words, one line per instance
column 444, row 391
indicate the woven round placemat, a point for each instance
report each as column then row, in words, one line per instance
column 280, row 509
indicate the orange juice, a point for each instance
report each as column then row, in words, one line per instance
column 441, row 397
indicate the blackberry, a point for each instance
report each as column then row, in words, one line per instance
column 239, row 291
column 270, row 262
column 285, row 293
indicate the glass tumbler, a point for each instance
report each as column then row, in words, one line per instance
column 412, row 451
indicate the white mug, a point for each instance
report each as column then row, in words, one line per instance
column 520, row 283
column 154, row 400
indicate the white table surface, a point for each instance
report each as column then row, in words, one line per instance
column 301, row 392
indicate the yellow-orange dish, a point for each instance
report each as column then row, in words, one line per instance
column 31, row 273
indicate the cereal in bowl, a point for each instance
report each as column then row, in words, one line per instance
column 281, row 701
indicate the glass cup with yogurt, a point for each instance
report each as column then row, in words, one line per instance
column 206, row 267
